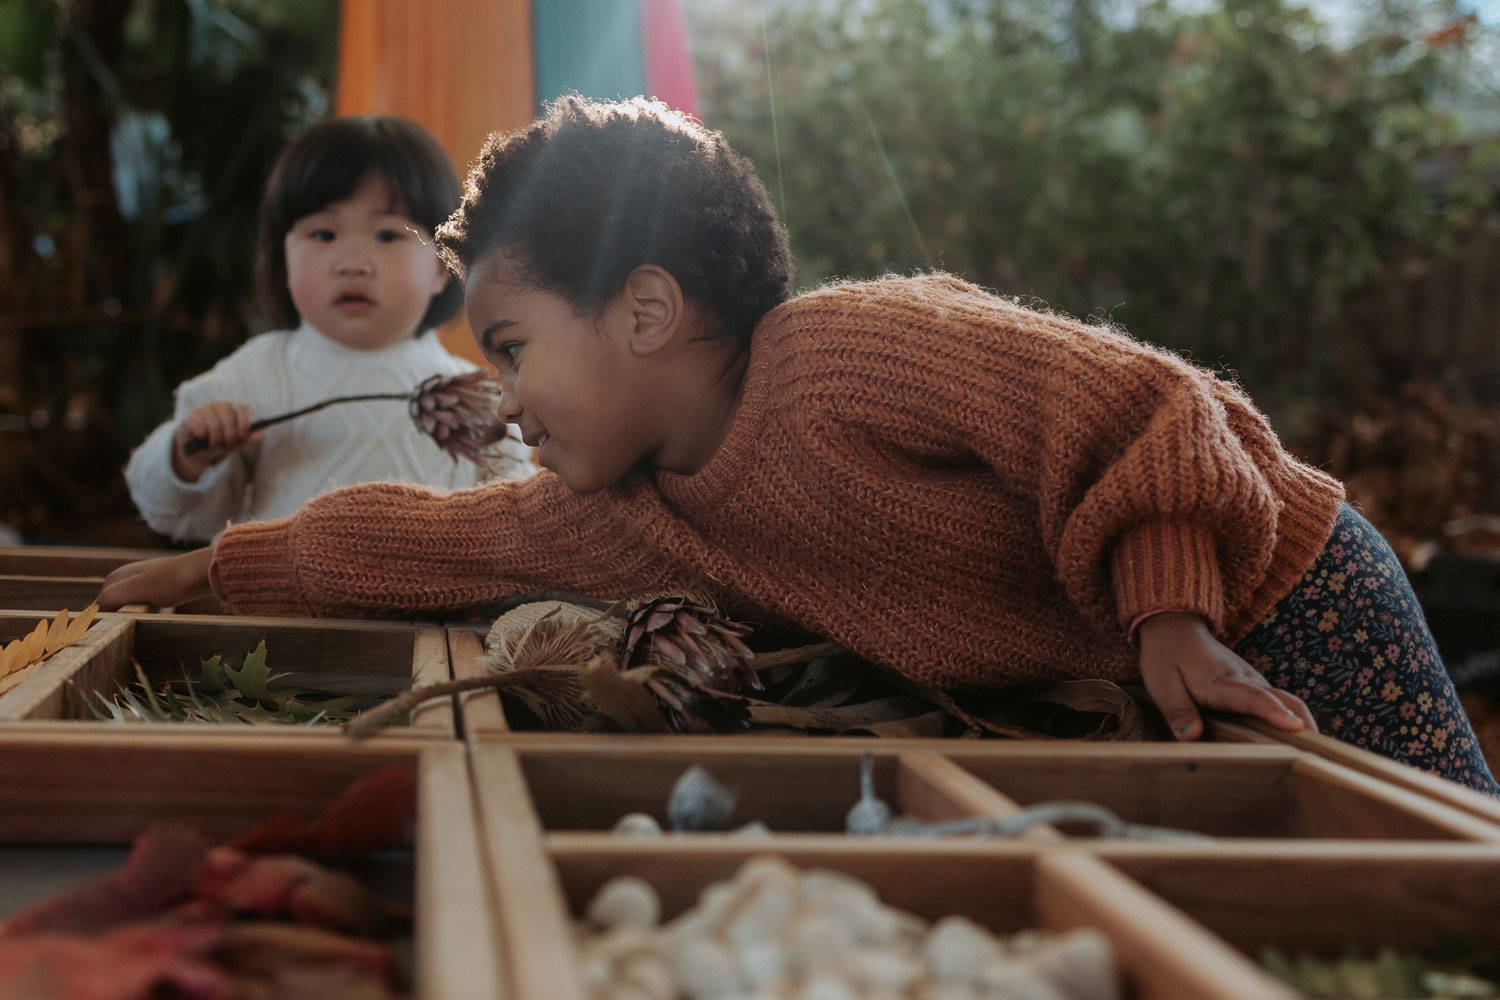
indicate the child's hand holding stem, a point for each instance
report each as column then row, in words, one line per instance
column 164, row 582
column 1184, row 668
column 208, row 434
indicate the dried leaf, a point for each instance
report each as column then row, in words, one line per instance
column 622, row 696
column 44, row 640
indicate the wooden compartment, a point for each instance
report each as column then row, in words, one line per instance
column 540, row 887
column 71, row 802
column 1224, row 790
column 51, row 578
column 1326, row 901
column 340, row 656
column 807, row 785
column 1243, row 729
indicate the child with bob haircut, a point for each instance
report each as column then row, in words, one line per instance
column 349, row 273
column 949, row 484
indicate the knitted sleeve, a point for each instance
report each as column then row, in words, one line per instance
column 388, row 550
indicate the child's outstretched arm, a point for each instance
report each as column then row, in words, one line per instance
column 1185, row 668
column 162, row 583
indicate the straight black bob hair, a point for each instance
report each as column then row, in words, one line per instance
column 326, row 164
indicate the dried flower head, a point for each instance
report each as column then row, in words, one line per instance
column 462, row 414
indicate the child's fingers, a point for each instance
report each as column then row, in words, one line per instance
column 1298, row 706
column 1251, row 697
column 1171, row 695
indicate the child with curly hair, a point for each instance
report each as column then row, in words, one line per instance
column 954, row 486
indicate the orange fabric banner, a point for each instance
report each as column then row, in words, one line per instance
column 460, row 68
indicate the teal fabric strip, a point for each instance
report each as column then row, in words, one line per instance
column 591, row 46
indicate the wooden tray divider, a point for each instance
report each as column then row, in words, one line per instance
column 932, row 787
column 67, row 560
column 430, row 665
column 46, row 690
column 458, row 953
column 1374, row 896
column 1168, row 954
column 537, row 952
column 480, row 713
column 1246, row 731
column 1338, row 798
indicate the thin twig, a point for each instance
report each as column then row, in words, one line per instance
column 198, row 444
column 797, row 654
column 367, row 722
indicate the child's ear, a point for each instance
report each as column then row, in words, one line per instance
column 651, row 303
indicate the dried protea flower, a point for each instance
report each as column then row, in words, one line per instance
column 462, row 414
column 687, row 632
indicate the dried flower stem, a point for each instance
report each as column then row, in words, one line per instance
column 796, row 654
column 198, row 444
column 381, row 714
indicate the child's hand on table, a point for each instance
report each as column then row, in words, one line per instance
column 219, row 429
column 1184, row 668
column 164, row 582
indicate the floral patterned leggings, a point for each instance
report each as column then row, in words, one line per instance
column 1350, row 640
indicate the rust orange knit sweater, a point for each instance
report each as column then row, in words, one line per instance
column 945, row 482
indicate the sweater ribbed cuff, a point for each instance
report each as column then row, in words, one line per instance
column 253, row 569
column 1165, row 564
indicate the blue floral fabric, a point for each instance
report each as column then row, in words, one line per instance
column 1351, row 641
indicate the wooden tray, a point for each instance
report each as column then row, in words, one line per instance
column 76, row 799
column 1242, row 729
column 340, row 656
column 806, row 785
column 69, row 561
column 1363, row 897
column 541, row 881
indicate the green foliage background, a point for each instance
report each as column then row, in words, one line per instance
column 1227, row 182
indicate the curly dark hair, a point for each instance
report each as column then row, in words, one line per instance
column 326, row 164
column 593, row 190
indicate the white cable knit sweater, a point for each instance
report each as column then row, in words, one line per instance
column 337, row 446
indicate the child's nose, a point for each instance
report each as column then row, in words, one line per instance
column 355, row 264
column 510, row 406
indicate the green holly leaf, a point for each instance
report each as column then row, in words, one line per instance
column 211, row 674
column 253, row 677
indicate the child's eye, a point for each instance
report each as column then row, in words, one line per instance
column 390, row 235
column 320, row 235
column 508, row 351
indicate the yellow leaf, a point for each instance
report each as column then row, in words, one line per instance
column 55, row 632
column 34, row 646
column 10, row 657
column 81, row 624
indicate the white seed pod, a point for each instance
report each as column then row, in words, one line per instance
column 716, row 899
column 705, row 969
column 826, row 986
column 759, row 913
column 617, row 942
column 700, row 802
column 651, row 973
column 637, row 825
column 763, row 964
column 768, row 868
column 883, row 970
column 755, row 830
column 818, row 941
column 835, row 890
column 1080, row 963
column 876, row 924
column 957, row 948
column 625, row 901
column 1011, row 979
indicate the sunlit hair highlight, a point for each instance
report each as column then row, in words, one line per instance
column 593, row 190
